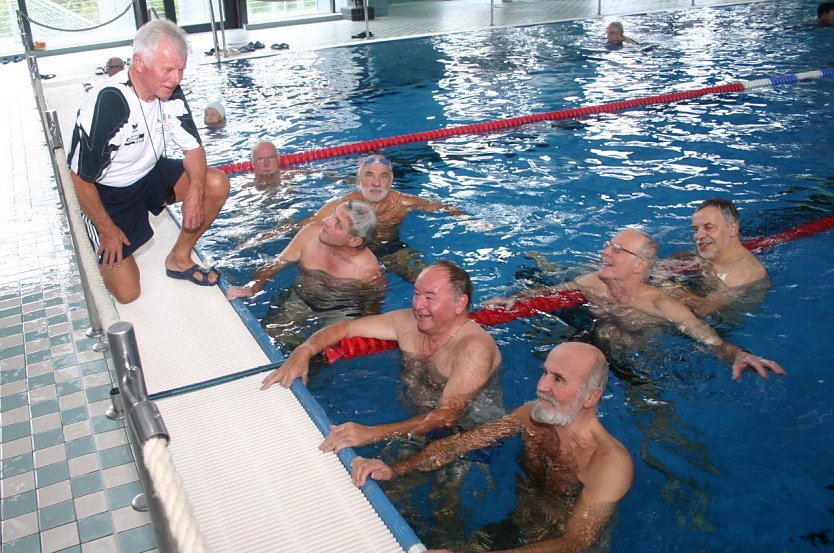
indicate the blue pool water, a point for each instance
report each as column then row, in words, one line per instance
column 720, row 465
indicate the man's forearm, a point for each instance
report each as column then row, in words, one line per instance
column 90, row 202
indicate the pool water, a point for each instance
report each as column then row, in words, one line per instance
column 720, row 465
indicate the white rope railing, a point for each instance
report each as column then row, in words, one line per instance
column 168, row 488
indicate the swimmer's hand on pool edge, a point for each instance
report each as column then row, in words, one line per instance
column 362, row 468
column 297, row 365
column 349, row 434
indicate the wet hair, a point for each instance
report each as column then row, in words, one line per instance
column 728, row 210
column 371, row 158
column 458, row 278
column 153, row 33
column 617, row 26
column 362, row 220
column 824, row 8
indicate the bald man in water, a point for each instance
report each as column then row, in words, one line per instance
column 569, row 457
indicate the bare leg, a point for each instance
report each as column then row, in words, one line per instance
column 122, row 280
column 214, row 196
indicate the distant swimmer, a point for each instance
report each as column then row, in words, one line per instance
column 619, row 293
column 615, row 37
column 575, row 471
column 214, row 115
column 825, row 14
column 448, row 360
column 336, row 247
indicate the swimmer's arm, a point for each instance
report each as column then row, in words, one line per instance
column 509, row 301
column 290, row 255
column 739, row 359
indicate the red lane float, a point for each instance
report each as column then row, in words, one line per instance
column 800, row 231
column 348, row 348
column 357, row 346
column 485, row 127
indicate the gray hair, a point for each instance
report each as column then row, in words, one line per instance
column 728, row 210
column 153, row 33
column 599, row 374
column 263, row 143
column 617, row 26
column 362, row 220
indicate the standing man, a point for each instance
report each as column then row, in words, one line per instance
column 568, row 454
column 447, row 358
column 120, row 169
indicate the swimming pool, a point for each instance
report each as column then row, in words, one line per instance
column 719, row 464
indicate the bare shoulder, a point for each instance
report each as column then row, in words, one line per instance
column 610, row 471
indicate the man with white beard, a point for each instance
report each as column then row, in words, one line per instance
column 571, row 463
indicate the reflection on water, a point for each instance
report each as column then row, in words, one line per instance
column 712, row 456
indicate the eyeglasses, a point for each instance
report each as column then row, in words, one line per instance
column 377, row 159
column 617, row 248
column 261, row 159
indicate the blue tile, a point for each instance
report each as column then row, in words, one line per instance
column 51, row 474
column 79, row 447
column 86, row 484
column 17, row 465
column 69, row 386
column 29, row 544
column 136, row 540
column 60, row 318
column 12, row 330
column 56, row 515
column 37, row 356
column 115, row 456
column 12, row 375
column 48, row 438
column 38, row 334
column 76, row 414
column 93, row 367
column 65, row 361
column 103, row 424
column 73, row 549
column 60, row 340
column 9, row 311
column 41, row 380
column 99, row 393
column 19, row 504
column 44, row 408
column 12, row 351
column 14, row 401
column 29, row 298
column 53, row 301
column 94, row 527
column 81, row 324
column 17, row 430
column 121, row 496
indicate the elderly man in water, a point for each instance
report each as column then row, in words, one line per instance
column 447, row 359
column 620, row 293
column 725, row 270
column 614, row 33
column 374, row 178
column 576, row 471
column 337, row 247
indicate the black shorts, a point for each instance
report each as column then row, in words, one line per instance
column 128, row 206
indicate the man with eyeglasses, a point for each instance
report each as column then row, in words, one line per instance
column 265, row 164
column 620, row 290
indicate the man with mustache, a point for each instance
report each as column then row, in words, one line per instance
column 576, row 470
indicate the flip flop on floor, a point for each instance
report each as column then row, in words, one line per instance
column 362, row 35
column 280, row 46
column 4, row 61
column 258, row 45
column 191, row 274
column 17, row 58
column 47, row 76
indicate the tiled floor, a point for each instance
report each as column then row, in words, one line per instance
column 67, row 472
